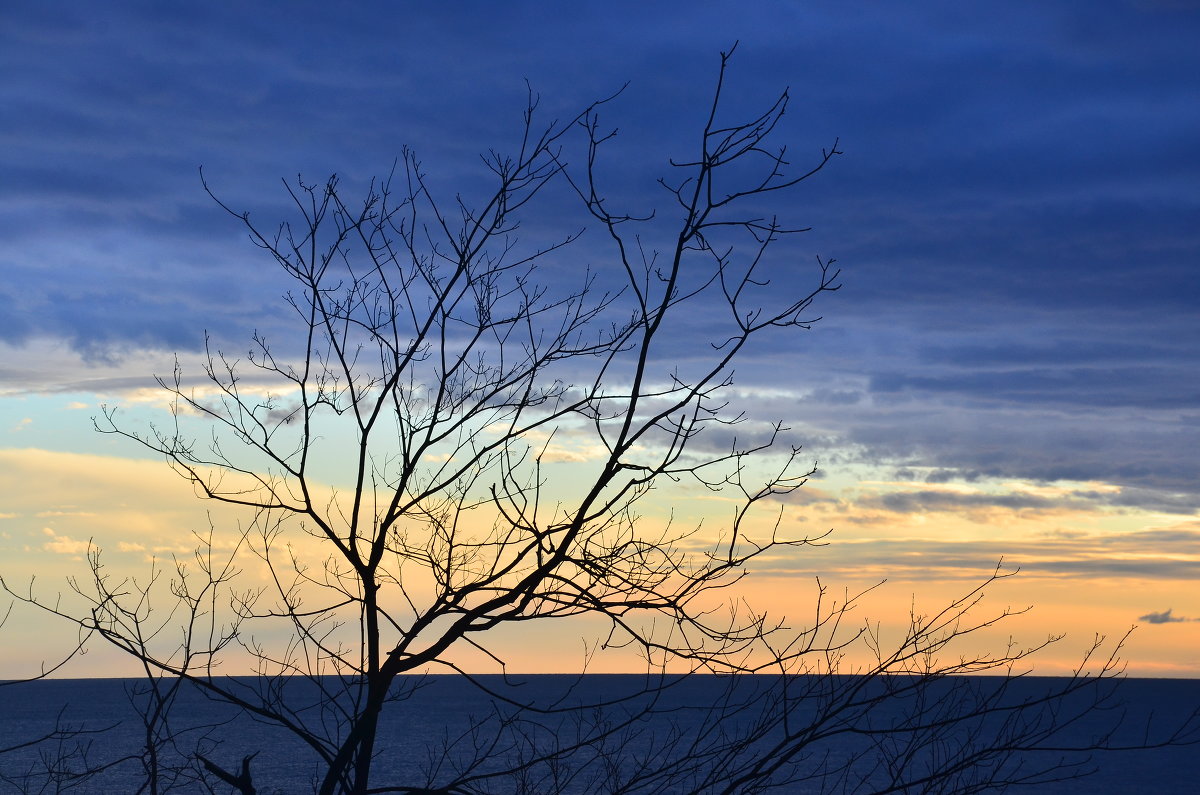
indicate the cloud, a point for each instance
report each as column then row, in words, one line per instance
column 1024, row 498
column 48, row 366
column 1142, row 386
column 948, row 208
column 1130, row 448
column 1164, row 617
column 925, row 501
column 65, row 497
column 942, row 548
column 63, row 545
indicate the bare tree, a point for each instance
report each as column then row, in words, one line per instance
column 440, row 368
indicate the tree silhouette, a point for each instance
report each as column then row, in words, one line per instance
column 443, row 371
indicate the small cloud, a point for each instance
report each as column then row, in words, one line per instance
column 22, row 424
column 75, row 405
column 126, row 546
column 578, row 455
column 63, row 545
column 1164, row 617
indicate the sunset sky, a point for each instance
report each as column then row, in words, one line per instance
column 1010, row 371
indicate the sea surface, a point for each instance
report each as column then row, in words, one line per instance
column 439, row 712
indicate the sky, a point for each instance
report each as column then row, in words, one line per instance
column 1011, row 370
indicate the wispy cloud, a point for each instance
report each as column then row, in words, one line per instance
column 1164, row 617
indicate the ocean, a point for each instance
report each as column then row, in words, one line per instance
column 430, row 732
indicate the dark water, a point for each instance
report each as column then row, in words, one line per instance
column 431, row 727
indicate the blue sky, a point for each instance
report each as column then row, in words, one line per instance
column 1017, row 214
